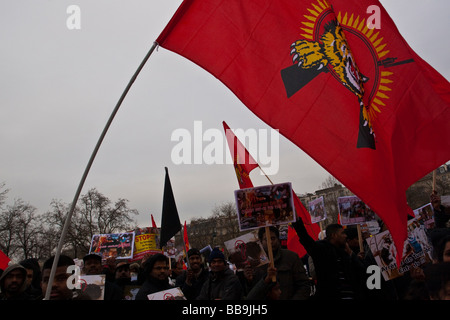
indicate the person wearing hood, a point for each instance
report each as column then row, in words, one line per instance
column 13, row 283
column 156, row 270
column 222, row 283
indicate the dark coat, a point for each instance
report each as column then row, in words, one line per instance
column 337, row 271
column 150, row 286
column 291, row 275
column 224, row 285
column 191, row 292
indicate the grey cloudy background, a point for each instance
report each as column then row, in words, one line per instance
column 59, row 86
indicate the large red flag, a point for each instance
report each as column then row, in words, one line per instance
column 358, row 100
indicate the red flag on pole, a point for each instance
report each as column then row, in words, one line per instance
column 357, row 99
column 185, row 237
column 153, row 222
column 242, row 160
column 238, row 151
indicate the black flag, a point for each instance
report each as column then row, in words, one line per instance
column 170, row 221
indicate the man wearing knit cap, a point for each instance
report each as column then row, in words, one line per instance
column 191, row 280
column 222, row 283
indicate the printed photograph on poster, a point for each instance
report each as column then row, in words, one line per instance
column 171, row 294
column 416, row 251
column 353, row 210
column 173, row 249
column 246, row 250
column 264, row 206
column 425, row 215
column 93, row 286
column 316, row 208
column 117, row 245
column 130, row 292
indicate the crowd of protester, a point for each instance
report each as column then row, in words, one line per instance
column 333, row 269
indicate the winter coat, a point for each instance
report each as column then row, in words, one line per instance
column 191, row 292
column 152, row 285
column 339, row 274
column 223, row 285
column 291, row 275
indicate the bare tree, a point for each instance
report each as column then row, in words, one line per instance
column 94, row 214
column 221, row 226
column 27, row 227
column 329, row 182
column 8, row 227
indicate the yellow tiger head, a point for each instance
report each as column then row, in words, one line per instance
column 338, row 54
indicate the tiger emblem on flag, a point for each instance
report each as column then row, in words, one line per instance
column 323, row 47
column 331, row 50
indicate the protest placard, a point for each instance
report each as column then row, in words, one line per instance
column 170, row 294
column 93, row 286
column 425, row 215
column 130, row 292
column 416, row 251
column 117, row 245
column 265, row 206
column 353, row 210
column 146, row 243
column 316, row 209
column 205, row 252
column 246, row 250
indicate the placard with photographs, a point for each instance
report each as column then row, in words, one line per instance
column 353, row 210
column 117, row 245
column 265, row 206
column 246, row 250
column 316, row 209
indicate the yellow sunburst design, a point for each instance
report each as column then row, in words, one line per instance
column 372, row 35
column 315, row 12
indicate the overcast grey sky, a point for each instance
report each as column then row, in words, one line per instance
column 59, row 86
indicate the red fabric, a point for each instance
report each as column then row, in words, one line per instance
column 307, row 91
column 185, row 236
column 242, row 160
column 153, row 222
column 313, row 229
column 4, row 260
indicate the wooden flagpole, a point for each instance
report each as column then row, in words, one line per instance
column 434, row 181
column 360, row 240
column 268, row 237
column 86, row 171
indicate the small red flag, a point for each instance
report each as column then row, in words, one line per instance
column 153, row 222
column 185, row 237
column 242, row 160
column 242, row 172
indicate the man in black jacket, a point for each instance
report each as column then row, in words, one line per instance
column 291, row 275
column 340, row 273
column 222, row 283
column 191, row 280
column 156, row 270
